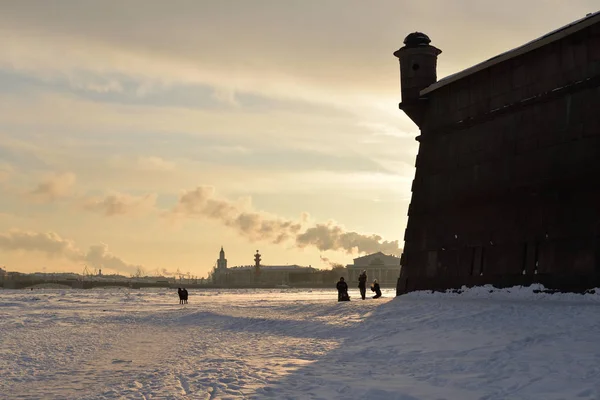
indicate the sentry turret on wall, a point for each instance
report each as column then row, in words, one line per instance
column 418, row 70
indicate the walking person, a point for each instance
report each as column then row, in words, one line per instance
column 342, row 288
column 185, row 295
column 362, row 284
column 375, row 288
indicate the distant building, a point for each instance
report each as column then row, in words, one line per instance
column 259, row 274
column 2, row 274
column 385, row 268
column 269, row 274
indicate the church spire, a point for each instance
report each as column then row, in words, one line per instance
column 222, row 261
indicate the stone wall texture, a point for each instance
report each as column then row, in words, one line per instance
column 507, row 183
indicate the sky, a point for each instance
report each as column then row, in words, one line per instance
column 148, row 134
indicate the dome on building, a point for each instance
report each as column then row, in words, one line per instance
column 417, row 39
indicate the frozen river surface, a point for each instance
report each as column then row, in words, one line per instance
column 256, row 344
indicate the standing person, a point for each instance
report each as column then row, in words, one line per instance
column 185, row 295
column 342, row 288
column 375, row 288
column 362, row 284
column 180, row 293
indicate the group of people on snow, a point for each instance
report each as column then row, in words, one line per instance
column 183, row 295
column 342, row 288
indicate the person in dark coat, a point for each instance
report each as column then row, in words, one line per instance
column 180, row 293
column 342, row 288
column 185, row 295
column 375, row 288
column 362, row 284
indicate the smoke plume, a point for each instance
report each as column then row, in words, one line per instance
column 254, row 225
column 98, row 256
column 331, row 263
column 330, row 236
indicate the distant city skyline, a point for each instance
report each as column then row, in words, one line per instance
column 149, row 134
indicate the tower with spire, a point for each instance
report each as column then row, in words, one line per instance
column 257, row 264
column 222, row 261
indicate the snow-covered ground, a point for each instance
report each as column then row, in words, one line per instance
column 292, row 344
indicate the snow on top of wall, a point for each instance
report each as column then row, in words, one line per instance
column 534, row 292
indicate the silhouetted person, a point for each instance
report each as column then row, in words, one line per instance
column 375, row 288
column 342, row 288
column 362, row 284
column 185, row 295
column 180, row 293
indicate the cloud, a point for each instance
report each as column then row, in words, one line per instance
column 154, row 164
column 49, row 243
column 60, row 186
column 55, row 187
column 120, row 204
column 258, row 226
column 230, row 150
column 265, row 45
column 97, row 84
column 6, row 170
column 119, row 58
column 53, row 245
column 379, row 129
column 225, row 96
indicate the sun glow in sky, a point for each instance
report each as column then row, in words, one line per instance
column 149, row 133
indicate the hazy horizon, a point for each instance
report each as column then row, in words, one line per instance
column 150, row 134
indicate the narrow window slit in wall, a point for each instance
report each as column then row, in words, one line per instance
column 481, row 261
